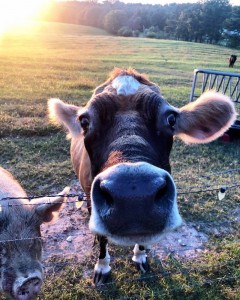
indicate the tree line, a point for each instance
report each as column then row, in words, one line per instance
column 207, row 21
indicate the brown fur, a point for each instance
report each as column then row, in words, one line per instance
column 232, row 59
column 129, row 138
column 198, row 122
column 191, row 121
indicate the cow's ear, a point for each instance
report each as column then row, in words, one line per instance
column 48, row 208
column 61, row 113
column 205, row 119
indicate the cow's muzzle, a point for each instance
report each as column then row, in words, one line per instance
column 133, row 200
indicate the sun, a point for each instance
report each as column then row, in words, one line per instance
column 14, row 13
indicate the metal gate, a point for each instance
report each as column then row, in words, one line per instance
column 224, row 82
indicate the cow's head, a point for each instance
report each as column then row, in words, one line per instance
column 121, row 141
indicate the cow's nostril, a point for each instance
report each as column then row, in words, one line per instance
column 107, row 197
column 161, row 192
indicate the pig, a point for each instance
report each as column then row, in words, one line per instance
column 20, row 238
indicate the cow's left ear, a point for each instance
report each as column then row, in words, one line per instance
column 47, row 208
column 205, row 119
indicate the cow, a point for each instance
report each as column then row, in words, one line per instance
column 232, row 60
column 120, row 146
column 20, row 239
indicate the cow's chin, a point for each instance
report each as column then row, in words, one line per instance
column 135, row 239
column 97, row 227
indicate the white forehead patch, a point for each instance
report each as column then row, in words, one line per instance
column 125, row 85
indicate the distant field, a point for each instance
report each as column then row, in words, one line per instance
column 69, row 61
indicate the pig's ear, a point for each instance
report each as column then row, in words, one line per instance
column 48, row 207
column 205, row 119
column 61, row 113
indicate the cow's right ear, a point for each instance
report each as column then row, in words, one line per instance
column 61, row 113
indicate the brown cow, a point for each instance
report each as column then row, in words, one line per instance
column 232, row 60
column 120, row 146
column 20, row 243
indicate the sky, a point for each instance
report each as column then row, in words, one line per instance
column 232, row 2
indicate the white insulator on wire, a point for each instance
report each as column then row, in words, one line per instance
column 222, row 193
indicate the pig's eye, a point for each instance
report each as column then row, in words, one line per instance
column 84, row 122
column 171, row 119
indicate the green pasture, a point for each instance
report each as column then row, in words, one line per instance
column 68, row 62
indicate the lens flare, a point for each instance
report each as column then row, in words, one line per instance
column 14, row 13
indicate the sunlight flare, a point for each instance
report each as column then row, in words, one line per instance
column 14, row 13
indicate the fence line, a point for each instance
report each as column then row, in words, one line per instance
column 237, row 184
column 166, row 273
column 161, row 275
column 83, row 197
column 207, row 186
column 210, row 174
column 172, row 252
column 185, row 248
column 169, row 272
column 209, row 282
column 162, row 294
column 71, row 195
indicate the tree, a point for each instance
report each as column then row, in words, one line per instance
column 171, row 21
column 115, row 20
column 157, row 17
column 135, row 23
column 214, row 15
column 205, row 21
column 232, row 28
column 233, row 21
column 189, row 25
column 94, row 15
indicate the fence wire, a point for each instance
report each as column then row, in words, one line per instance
column 156, row 295
column 53, row 268
column 82, row 197
column 77, row 197
column 114, row 259
column 165, row 274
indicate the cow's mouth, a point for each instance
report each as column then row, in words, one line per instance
column 174, row 220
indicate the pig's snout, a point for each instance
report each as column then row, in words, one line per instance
column 28, row 289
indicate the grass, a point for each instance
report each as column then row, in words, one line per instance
column 169, row 278
column 69, row 61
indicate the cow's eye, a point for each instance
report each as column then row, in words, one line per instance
column 84, row 122
column 171, row 119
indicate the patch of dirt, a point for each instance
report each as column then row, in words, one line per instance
column 70, row 237
column 185, row 241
